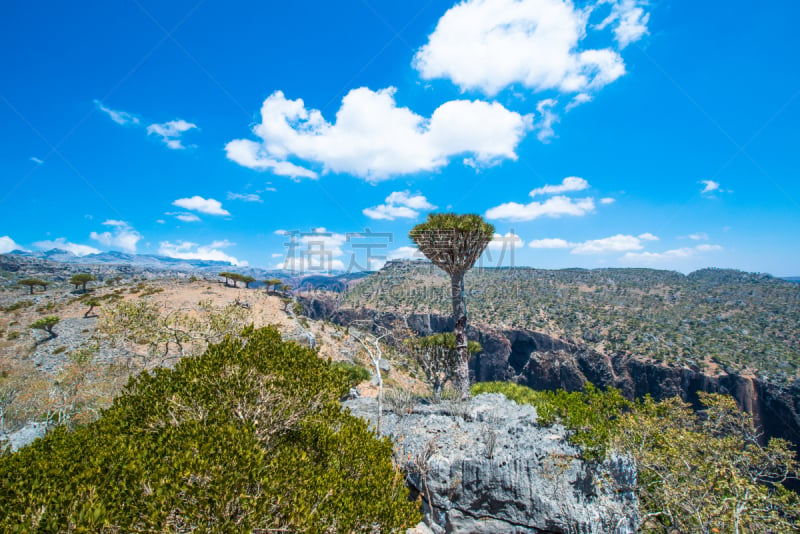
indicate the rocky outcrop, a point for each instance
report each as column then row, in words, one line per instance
column 543, row 362
column 487, row 467
column 23, row 437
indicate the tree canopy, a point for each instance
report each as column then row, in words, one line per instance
column 452, row 242
column 30, row 283
column 46, row 324
column 81, row 279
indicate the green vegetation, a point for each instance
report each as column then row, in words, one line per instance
column 248, row 435
column 697, row 472
column 236, row 278
column 437, row 358
column 454, row 243
column 354, row 374
column 47, row 324
column 30, row 283
column 81, row 279
column 714, row 317
column 274, row 282
column 170, row 333
column 17, row 305
column 92, row 303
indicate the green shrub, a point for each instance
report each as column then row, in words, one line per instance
column 17, row 305
column 248, row 435
column 695, row 472
column 354, row 374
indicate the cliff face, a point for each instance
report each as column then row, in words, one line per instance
column 543, row 362
column 485, row 466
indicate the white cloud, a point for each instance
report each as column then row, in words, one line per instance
column 505, row 242
column 699, row 236
column 669, row 255
column 607, row 200
column 552, row 207
column 185, row 250
column 373, row 138
column 544, row 126
column 492, row 44
column 63, row 244
column 317, row 250
column 245, row 197
column 184, row 216
column 570, row 183
column 7, row 245
column 120, row 117
column 577, row 100
column 122, row 236
column 629, row 20
column 171, row 132
column 36, row 160
column 161, row 221
column 203, row 205
column 616, row 243
column 252, row 155
column 551, row 243
column 710, row 186
column 399, row 205
column 406, row 253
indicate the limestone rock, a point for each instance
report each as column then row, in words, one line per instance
column 489, row 467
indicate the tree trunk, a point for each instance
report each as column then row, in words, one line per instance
column 460, row 331
column 31, row 288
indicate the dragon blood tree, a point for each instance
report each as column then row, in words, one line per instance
column 453, row 243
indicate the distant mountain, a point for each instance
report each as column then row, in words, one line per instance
column 795, row 279
column 120, row 258
column 115, row 263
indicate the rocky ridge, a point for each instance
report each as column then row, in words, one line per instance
column 487, row 467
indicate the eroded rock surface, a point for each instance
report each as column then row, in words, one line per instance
column 489, row 467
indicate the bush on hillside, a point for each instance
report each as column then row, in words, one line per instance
column 248, row 435
column 697, row 472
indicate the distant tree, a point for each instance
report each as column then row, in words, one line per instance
column 227, row 276
column 30, row 283
column 454, row 243
column 247, row 281
column 285, row 288
column 438, row 358
column 274, row 282
column 47, row 324
column 92, row 303
column 81, row 279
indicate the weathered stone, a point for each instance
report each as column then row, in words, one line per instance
column 24, row 436
column 491, row 468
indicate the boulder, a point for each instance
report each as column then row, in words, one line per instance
column 24, row 436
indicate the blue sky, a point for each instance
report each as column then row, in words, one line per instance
column 610, row 133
